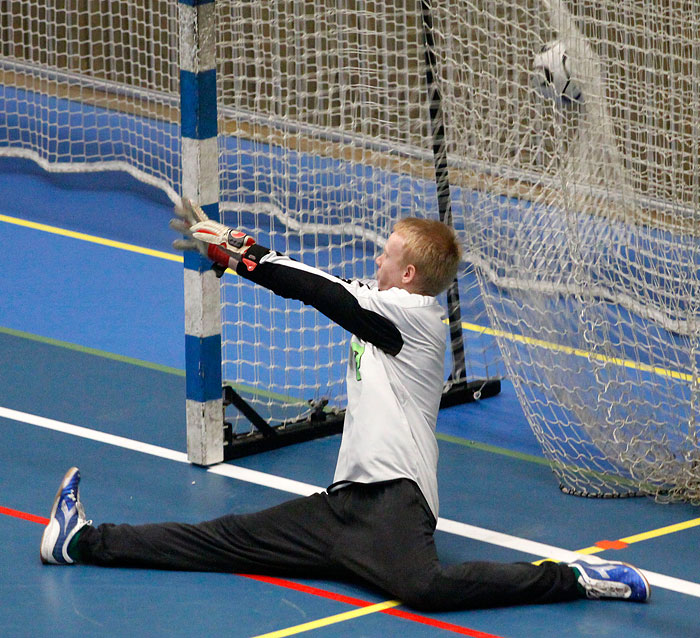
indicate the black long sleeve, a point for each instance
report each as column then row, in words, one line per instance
column 327, row 294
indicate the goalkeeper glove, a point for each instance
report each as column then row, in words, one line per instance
column 224, row 246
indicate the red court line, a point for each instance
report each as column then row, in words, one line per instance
column 425, row 620
column 438, row 624
column 314, row 591
column 24, row 516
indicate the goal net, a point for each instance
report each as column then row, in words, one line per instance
column 582, row 220
column 92, row 85
column 579, row 218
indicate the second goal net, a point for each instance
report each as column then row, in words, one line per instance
column 576, row 128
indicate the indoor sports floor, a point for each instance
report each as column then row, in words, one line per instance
column 91, row 374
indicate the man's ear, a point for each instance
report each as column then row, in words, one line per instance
column 409, row 275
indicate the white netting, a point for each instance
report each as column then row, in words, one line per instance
column 584, row 226
column 323, row 145
column 92, row 85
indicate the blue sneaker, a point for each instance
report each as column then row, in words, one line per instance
column 67, row 518
column 611, row 580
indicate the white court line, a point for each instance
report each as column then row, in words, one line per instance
column 516, row 543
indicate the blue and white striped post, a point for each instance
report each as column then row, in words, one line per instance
column 200, row 182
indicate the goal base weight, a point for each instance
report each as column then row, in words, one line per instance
column 267, row 437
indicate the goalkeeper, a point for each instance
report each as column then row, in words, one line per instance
column 376, row 521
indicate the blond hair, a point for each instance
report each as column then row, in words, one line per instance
column 432, row 247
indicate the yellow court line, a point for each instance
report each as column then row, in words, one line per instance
column 661, row 531
column 636, row 365
column 331, row 620
column 644, row 536
column 90, row 238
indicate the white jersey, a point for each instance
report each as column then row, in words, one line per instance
column 395, row 369
column 393, row 401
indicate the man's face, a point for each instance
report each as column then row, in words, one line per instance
column 391, row 269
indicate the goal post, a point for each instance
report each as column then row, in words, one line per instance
column 200, row 183
column 442, row 182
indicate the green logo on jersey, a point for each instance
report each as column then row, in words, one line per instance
column 359, row 350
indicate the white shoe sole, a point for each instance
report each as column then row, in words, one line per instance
column 48, row 541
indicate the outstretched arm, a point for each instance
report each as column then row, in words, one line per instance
column 330, row 295
column 333, row 297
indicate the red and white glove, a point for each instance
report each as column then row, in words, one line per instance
column 226, row 246
column 223, row 245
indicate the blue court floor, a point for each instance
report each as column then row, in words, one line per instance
column 91, row 374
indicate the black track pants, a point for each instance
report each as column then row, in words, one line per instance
column 381, row 533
